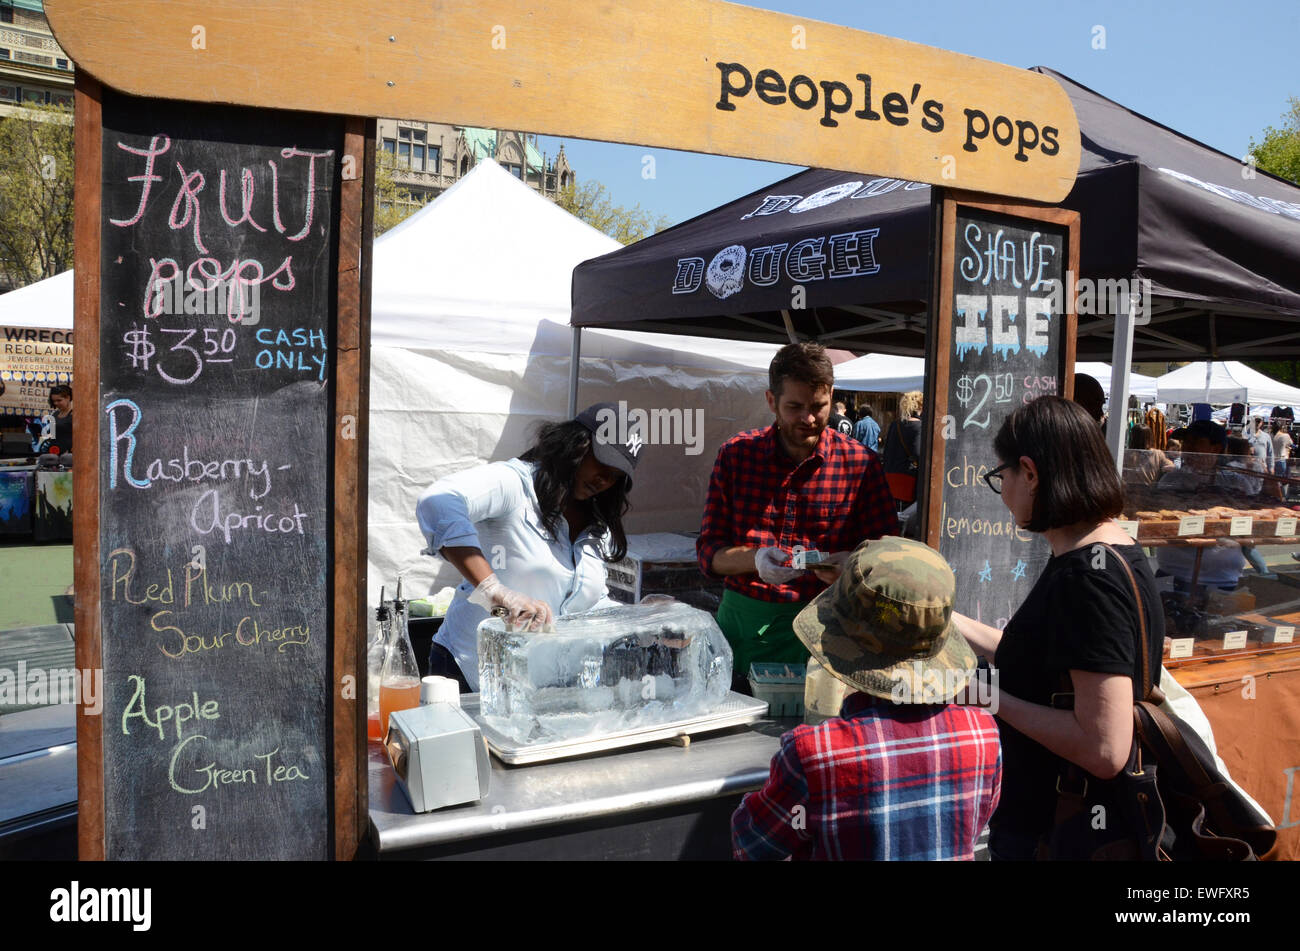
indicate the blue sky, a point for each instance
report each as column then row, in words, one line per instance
column 1218, row 72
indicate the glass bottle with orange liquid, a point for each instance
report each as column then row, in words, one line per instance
column 376, row 652
column 399, row 688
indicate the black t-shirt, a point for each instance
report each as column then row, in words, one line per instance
column 841, row 424
column 63, row 432
column 1079, row 616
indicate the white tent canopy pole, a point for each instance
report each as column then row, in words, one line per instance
column 1121, row 356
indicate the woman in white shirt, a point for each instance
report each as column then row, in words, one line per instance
column 1282, row 443
column 531, row 535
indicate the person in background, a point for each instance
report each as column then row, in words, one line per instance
column 1261, row 443
column 839, row 420
column 867, row 431
column 1089, row 394
column 1282, row 443
column 1203, row 445
column 1240, row 454
column 903, row 773
column 549, row 520
column 901, row 448
column 1077, row 631
column 1142, row 464
column 56, row 427
column 795, row 483
column 1174, row 450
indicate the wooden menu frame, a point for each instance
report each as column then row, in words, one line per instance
column 348, row 814
column 946, row 204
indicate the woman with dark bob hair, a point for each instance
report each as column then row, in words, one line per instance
column 529, row 536
column 1075, row 633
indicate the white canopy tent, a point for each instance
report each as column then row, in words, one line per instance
column 46, row 303
column 1223, row 382
column 1143, row 387
column 471, row 348
column 881, row 373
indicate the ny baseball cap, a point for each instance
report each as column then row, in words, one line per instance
column 613, row 442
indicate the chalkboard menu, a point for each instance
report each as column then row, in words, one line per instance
column 1002, row 341
column 217, row 302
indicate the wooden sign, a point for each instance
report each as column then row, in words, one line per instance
column 218, row 332
column 1004, row 336
column 699, row 75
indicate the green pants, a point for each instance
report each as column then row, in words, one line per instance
column 760, row 631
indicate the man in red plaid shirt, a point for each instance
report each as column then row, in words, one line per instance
column 796, row 483
column 903, row 772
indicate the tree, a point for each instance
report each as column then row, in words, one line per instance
column 36, row 194
column 591, row 202
column 393, row 203
column 1279, row 153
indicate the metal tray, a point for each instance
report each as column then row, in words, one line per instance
column 736, row 710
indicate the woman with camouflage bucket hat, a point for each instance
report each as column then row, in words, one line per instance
column 904, row 772
column 1067, row 662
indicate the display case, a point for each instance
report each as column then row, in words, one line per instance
column 663, row 563
column 1220, row 529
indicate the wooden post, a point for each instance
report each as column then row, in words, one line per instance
column 351, row 446
column 85, row 474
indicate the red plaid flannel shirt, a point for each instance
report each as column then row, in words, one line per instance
column 758, row 496
column 882, row 781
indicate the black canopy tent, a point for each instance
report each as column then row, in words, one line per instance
column 1219, row 242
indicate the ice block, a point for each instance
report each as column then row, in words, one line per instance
column 602, row 672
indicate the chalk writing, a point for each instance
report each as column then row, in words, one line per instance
column 215, row 775
column 207, row 517
column 214, row 586
column 177, row 714
column 176, row 643
column 187, row 207
column 1005, row 338
column 1003, row 259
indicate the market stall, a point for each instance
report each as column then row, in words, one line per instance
column 1169, row 216
column 294, row 688
column 35, row 344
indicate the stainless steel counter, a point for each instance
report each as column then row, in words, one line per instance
column 568, row 798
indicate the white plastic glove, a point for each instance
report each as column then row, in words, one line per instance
column 771, row 566
column 521, row 611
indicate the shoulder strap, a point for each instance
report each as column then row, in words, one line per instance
column 1143, row 647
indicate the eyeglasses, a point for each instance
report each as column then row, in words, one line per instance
column 994, row 479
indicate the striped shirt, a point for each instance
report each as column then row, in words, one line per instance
column 882, row 781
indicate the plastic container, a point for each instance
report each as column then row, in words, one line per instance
column 781, row 686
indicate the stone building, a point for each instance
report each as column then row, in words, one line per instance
column 431, row 157
column 33, row 69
